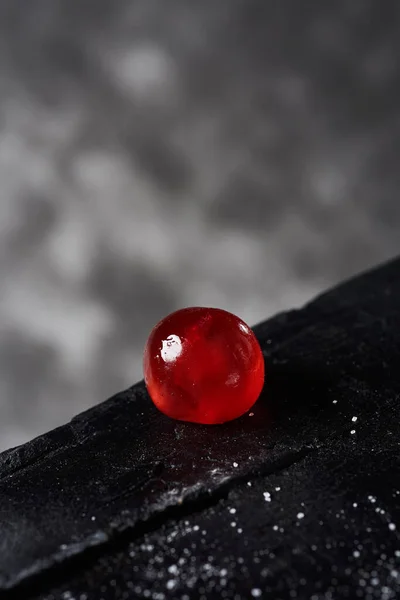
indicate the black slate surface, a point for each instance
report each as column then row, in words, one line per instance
column 299, row 500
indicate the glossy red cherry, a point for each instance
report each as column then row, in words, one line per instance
column 203, row 365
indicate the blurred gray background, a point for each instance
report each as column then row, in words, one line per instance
column 162, row 153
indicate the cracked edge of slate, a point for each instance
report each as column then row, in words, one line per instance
column 118, row 534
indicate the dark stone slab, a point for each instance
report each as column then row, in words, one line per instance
column 300, row 500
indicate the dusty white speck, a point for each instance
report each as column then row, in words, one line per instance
column 235, row 464
column 233, row 524
column 196, row 528
column 233, row 379
column 334, row 401
column 251, row 414
column 356, row 554
column 278, row 489
column 93, row 518
column 352, row 431
column 355, row 504
column 275, row 528
column 300, row 515
column 171, row 584
column 223, row 572
column 372, row 499
column 240, row 530
column 392, row 526
column 173, row 569
column 256, row 593
column 249, row 483
column 397, row 553
column 232, row 511
column 354, row 419
column 267, row 496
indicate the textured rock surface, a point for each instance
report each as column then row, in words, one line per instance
column 234, row 153
column 300, row 500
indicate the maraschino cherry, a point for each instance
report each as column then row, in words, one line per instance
column 203, row 365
